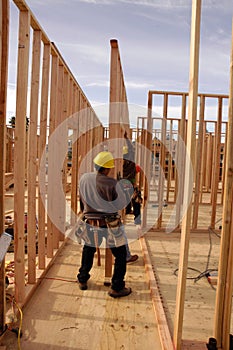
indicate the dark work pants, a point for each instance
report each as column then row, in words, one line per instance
column 119, row 266
column 136, row 212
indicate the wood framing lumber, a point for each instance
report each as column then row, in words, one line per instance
column 169, row 173
column 9, row 180
column 115, row 103
column 51, row 228
column 147, row 165
column 209, row 163
column 141, row 155
column 55, row 105
column 4, row 50
column 164, row 332
column 180, row 161
column 198, row 163
column 177, row 93
column 162, row 161
column 60, row 97
column 225, row 270
column 19, row 156
column 118, row 108
column 74, row 173
column 32, row 156
column 191, row 143
column 215, row 184
column 42, row 145
column 22, row 6
column 224, row 165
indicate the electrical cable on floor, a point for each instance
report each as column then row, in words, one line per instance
column 18, row 330
column 206, row 273
column 20, row 324
column 11, row 298
column 57, row 279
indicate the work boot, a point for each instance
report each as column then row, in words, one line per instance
column 212, row 345
column 132, row 259
column 82, row 285
column 121, row 293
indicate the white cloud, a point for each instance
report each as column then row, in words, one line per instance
column 148, row 3
column 99, row 84
column 159, row 4
column 134, row 85
column 162, row 3
column 92, row 53
column 98, row 2
column 129, row 84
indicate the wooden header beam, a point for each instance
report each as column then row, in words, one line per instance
column 22, row 6
column 179, row 93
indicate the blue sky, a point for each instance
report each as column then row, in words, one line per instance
column 154, row 41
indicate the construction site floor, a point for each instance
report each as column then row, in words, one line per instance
column 61, row 316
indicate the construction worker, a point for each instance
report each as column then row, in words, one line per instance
column 129, row 172
column 101, row 195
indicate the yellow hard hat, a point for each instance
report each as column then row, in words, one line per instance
column 125, row 149
column 104, row 159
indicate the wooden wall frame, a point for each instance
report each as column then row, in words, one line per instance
column 4, row 51
column 52, row 85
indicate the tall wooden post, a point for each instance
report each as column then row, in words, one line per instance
column 74, row 173
column 115, row 102
column 147, row 163
column 51, row 228
column 42, row 145
column 32, row 155
column 4, row 48
column 141, row 159
column 180, row 161
column 19, row 155
column 225, row 270
column 198, row 163
column 191, row 143
column 224, row 164
column 162, row 161
column 215, row 183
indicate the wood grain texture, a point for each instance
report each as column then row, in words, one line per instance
column 88, row 319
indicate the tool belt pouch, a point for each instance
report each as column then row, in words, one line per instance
column 115, row 233
column 113, row 221
column 81, row 230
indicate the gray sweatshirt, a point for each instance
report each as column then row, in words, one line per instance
column 101, row 193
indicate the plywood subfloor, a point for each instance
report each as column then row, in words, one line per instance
column 60, row 317
column 200, row 294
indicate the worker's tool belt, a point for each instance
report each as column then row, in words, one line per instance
column 114, row 237
column 115, row 232
column 113, row 221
